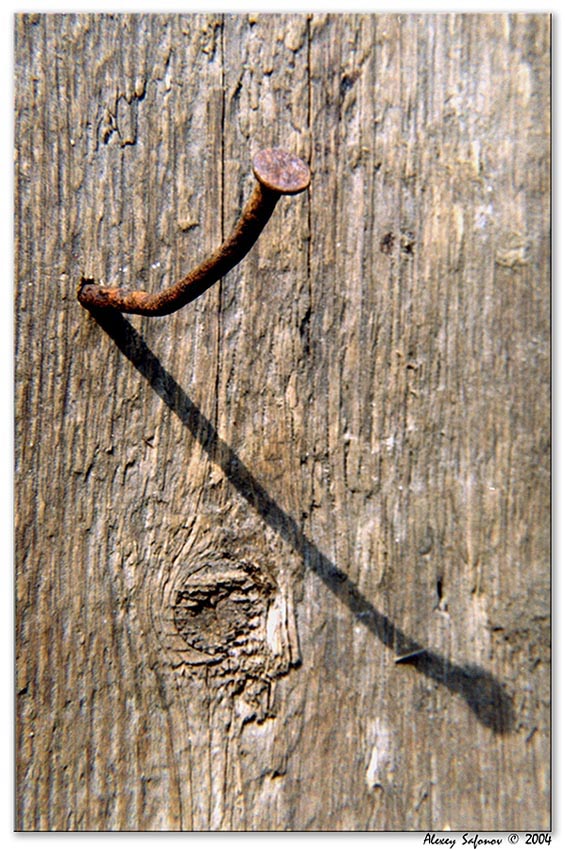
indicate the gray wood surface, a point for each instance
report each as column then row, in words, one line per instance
column 231, row 522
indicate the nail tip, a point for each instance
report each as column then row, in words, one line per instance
column 84, row 281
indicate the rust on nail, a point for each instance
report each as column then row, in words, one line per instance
column 278, row 173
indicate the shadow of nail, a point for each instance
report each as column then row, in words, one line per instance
column 485, row 696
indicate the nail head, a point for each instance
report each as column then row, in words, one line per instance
column 281, row 171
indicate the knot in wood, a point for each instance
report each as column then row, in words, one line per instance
column 221, row 609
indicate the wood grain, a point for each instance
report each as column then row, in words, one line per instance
column 231, row 522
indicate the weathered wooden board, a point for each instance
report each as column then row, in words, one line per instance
column 231, row 522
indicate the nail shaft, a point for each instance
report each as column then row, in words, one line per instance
column 278, row 173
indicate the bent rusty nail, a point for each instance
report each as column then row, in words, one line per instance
column 278, row 173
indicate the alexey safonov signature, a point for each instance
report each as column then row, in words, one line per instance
column 467, row 839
